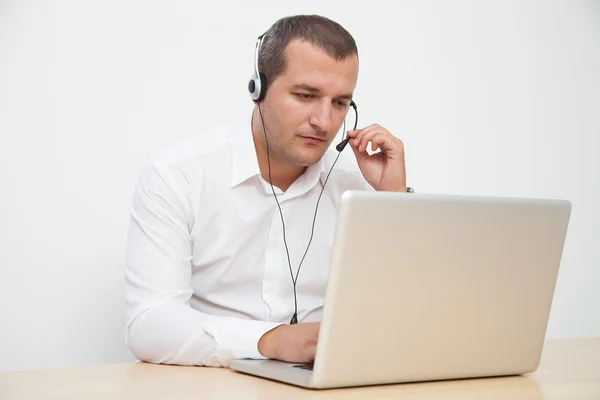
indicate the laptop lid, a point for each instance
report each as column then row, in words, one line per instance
column 427, row 287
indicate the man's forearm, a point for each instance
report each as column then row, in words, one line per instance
column 174, row 333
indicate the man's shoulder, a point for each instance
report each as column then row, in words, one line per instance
column 185, row 163
column 198, row 147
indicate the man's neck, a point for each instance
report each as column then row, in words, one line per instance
column 282, row 175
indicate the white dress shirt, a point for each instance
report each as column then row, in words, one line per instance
column 206, row 269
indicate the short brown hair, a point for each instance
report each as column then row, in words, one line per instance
column 319, row 31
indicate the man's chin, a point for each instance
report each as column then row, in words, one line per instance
column 307, row 159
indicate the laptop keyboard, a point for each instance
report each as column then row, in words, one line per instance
column 304, row 366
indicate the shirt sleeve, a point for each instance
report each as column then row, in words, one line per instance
column 161, row 326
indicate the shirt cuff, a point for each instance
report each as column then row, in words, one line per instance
column 238, row 338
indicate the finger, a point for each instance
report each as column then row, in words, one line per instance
column 354, row 143
column 357, row 132
column 353, row 133
column 359, row 155
column 392, row 146
column 359, row 139
column 367, row 136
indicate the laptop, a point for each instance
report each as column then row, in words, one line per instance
column 426, row 287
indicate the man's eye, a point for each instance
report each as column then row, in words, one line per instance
column 304, row 96
column 341, row 104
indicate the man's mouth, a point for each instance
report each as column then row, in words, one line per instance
column 312, row 139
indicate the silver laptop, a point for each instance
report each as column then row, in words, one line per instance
column 430, row 287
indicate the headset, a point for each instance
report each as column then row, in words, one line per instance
column 257, row 86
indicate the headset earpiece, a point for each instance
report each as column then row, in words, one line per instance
column 257, row 86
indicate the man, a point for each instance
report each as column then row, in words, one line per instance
column 231, row 232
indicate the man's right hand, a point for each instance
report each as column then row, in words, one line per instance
column 292, row 343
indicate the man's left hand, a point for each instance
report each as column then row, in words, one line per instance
column 384, row 170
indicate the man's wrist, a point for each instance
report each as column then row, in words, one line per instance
column 267, row 344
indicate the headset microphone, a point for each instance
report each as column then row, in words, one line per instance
column 344, row 142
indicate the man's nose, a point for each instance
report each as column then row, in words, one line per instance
column 321, row 116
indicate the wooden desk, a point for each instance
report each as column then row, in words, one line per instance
column 570, row 369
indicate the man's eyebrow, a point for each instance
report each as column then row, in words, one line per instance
column 308, row 88
column 311, row 89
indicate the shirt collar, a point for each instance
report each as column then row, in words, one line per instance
column 311, row 176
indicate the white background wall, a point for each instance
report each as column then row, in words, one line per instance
column 490, row 97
